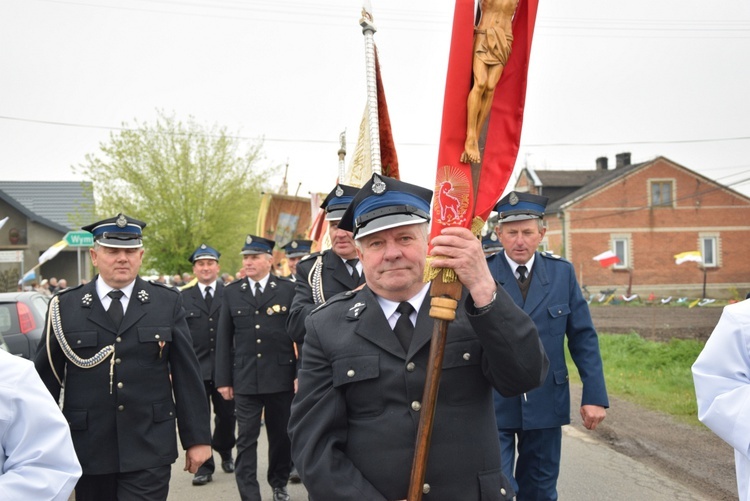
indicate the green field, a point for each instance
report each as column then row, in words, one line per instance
column 651, row 374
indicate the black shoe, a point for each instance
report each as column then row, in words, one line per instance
column 202, row 479
column 280, row 494
column 227, row 465
column 294, row 476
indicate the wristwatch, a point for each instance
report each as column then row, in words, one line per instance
column 486, row 307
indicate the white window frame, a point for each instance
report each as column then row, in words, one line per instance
column 712, row 240
column 625, row 255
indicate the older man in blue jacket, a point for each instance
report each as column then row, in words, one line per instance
column 545, row 287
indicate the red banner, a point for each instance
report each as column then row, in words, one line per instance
column 454, row 203
column 388, row 156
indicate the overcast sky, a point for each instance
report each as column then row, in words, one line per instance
column 650, row 77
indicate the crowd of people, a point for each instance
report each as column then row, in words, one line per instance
column 50, row 286
column 331, row 361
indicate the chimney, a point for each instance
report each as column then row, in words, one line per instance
column 601, row 163
column 622, row 159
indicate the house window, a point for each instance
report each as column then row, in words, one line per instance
column 621, row 249
column 709, row 246
column 661, row 193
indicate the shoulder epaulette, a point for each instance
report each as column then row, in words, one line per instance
column 234, row 283
column 166, row 286
column 309, row 256
column 67, row 289
column 342, row 296
column 550, row 255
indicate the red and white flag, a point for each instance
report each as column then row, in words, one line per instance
column 607, row 258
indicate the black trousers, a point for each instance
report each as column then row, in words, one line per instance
column 225, row 422
column 250, row 410
column 151, row 484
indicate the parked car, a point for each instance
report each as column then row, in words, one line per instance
column 22, row 316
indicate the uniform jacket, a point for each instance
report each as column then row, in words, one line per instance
column 356, row 413
column 254, row 353
column 555, row 304
column 203, row 325
column 131, row 427
column 336, row 279
column 722, row 386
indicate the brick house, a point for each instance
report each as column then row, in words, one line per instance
column 646, row 213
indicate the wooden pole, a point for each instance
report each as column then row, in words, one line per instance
column 444, row 301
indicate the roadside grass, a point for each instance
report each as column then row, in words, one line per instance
column 652, row 374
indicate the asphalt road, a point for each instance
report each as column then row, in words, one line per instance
column 591, row 471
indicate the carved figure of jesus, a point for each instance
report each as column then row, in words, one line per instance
column 493, row 37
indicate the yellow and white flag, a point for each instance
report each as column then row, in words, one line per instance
column 684, row 257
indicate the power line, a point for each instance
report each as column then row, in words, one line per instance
column 318, row 14
column 332, row 141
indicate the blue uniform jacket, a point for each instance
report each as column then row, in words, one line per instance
column 555, row 304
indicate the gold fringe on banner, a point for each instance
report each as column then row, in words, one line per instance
column 449, row 276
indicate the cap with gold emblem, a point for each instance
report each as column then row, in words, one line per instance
column 518, row 206
column 384, row 203
column 257, row 245
column 204, row 252
column 298, row 248
column 119, row 231
column 337, row 201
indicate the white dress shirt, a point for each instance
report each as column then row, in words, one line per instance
column 102, row 289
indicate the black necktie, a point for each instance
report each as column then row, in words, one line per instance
column 209, row 298
column 353, row 264
column 521, row 273
column 404, row 328
column 115, row 307
column 258, row 292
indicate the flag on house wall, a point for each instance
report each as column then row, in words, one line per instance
column 685, row 257
column 607, row 258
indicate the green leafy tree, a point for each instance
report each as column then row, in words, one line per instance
column 188, row 182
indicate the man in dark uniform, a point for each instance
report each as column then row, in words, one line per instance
column 363, row 367
column 202, row 304
column 256, row 366
column 295, row 251
column 321, row 276
column 122, row 349
column 545, row 286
